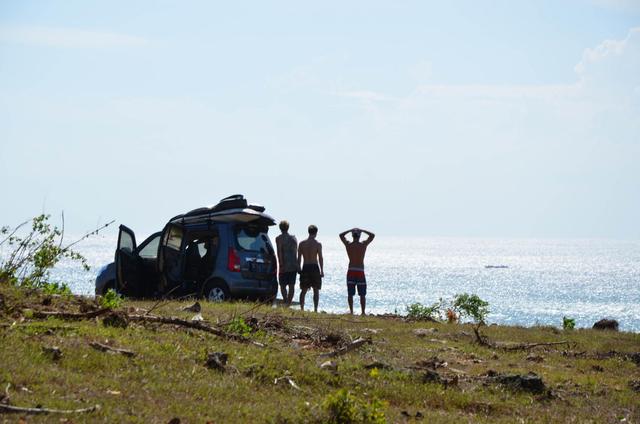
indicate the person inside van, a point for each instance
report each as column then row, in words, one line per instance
column 208, row 261
column 192, row 261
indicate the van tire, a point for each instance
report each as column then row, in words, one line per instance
column 216, row 291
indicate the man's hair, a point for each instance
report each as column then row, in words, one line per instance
column 313, row 230
column 284, row 225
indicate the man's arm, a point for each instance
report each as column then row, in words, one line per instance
column 279, row 249
column 344, row 238
column 370, row 237
column 320, row 260
column 300, row 256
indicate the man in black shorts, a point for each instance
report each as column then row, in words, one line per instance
column 312, row 271
column 287, row 246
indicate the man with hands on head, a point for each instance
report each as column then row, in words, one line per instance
column 356, row 250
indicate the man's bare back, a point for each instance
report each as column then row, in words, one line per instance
column 310, row 250
column 311, row 270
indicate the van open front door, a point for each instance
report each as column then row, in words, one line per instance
column 128, row 263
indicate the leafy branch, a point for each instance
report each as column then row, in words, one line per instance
column 32, row 256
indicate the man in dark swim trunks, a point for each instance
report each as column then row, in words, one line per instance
column 311, row 274
column 355, row 275
column 287, row 262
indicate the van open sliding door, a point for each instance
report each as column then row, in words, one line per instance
column 128, row 263
column 171, row 257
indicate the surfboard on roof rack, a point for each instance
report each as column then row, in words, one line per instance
column 233, row 208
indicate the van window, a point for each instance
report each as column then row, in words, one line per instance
column 150, row 250
column 174, row 238
column 253, row 239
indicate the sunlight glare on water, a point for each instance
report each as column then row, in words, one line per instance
column 545, row 279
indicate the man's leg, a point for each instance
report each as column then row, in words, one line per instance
column 303, row 293
column 290, row 296
column 283, row 292
column 316, row 299
column 362, row 292
column 350, row 302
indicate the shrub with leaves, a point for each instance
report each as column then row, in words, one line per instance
column 342, row 407
column 239, row 326
column 111, row 299
column 56, row 288
column 420, row 312
column 472, row 306
column 568, row 323
column 28, row 259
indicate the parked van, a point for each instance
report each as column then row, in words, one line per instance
column 214, row 252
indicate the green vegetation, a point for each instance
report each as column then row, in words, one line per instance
column 111, row 299
column 342, row 407
column 32, row 256
column 239, row 326
column 472, row 306
column 273, row 372
column 420, row 312
column 56, row 288
column 568, row 323
column 464, row 304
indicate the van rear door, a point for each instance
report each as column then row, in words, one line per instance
column 128, row 263
column 258, row 261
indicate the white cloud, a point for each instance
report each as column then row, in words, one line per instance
column 608, row 49
column 68, row 37
column 618, row 4
column 365, row 95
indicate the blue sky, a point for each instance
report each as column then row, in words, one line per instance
column 464, row 118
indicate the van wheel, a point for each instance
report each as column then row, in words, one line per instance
column 216, row 291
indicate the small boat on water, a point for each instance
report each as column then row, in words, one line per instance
column 496, row 266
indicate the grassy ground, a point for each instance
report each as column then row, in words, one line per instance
column 443, row 375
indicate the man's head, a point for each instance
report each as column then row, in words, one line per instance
column 356, row 234
column 313, row 230
column 284, row 226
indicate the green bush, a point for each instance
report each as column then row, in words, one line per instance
column 111, row 299
column 239, row 326
column 32, row 256
column 471, row 305
column 56, row 288
column 342, row 407
column 568, row 323
column 420, row 312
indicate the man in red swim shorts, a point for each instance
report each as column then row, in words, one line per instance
column 355, row 275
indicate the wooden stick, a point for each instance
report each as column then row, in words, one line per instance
column 509, row 347
column 71, row 315
column 353, row 345
column 525, row 346
column 481, row 340
column 106, row 348
column 46, row 410
column 196, row 325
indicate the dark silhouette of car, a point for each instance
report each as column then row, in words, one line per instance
column 215, row 252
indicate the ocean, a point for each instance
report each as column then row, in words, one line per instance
column 542, row 279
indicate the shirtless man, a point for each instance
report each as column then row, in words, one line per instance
column 311, row 274
column 355, row 275
column 287, row 262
